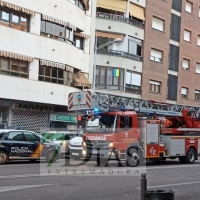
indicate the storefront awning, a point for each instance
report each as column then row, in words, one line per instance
column 81, row 35
column 80, row 80
column 137, row 11
column 109, row 35
column 16, row 56
column 117, row 5
column 18, row 8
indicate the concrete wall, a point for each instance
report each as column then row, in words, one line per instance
column 34, row 91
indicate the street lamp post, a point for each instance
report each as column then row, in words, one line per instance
column 95, row 53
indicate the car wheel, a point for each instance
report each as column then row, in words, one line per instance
column 133, row 158
column 3, row 157
column 49, row 157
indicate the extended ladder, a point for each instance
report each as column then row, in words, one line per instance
column 104, row 102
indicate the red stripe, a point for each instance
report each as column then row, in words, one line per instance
column 88, row 104
column 70, row 106
column 88, row 98
column 89, row 93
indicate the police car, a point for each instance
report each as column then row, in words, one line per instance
column 26, row 145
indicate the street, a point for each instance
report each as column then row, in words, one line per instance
column 22, row 180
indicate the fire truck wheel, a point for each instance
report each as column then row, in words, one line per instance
column 133, row 158
column 191, row 156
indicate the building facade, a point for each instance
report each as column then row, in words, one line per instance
column 44, row 55
column 118, row 65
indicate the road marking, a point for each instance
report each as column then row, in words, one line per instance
column 174, row 184
column 19, row 187
column 173, row 167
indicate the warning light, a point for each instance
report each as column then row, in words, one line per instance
column 96, row 110
column 122, row 108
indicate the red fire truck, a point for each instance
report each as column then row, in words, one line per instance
column 136, row 130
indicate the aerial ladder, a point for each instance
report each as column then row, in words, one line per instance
column 159, row 140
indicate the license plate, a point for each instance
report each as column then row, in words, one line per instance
column 75, row 154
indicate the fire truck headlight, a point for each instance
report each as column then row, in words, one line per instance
column 83, row 152
column 110, row 145
column 84, row 144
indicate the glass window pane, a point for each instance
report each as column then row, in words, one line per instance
column 15, row 18
column 71, row 35
column 47, row 71
column 54, row 80
column 16, row 136
column 41, row 78
column 115, row 80
column 49, row 28
column 42, row 26
column 54, row 72
column 59, row 30
column 24, row 21
column 4, row 64
column 97, row 75
column 15, row 65
column 41, row 70
column 47, row 79
column 60, row 73
column 109, row 77
column 31, row 137
column 23, row 66
column 5, row 16
column 60, row 81
column 102, row 76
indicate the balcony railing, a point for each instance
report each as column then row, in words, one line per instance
column 120, row 18
column 120, row 54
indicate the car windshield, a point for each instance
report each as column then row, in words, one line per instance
column 101, row 123
column 47, row 136
column 63, row 136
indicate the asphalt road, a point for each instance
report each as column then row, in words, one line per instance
column 22, row 180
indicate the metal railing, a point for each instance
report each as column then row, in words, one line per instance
column 120, row 54
column 120, row 18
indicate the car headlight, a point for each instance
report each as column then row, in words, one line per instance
column 84, row 144
column 110, row 145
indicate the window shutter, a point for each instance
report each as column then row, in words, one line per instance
column 197, row 92
column 154, row 83
column 158, row 24
column 185, row 63
column 188, row 7
column 184, row 91
column 136, row 79
column 198, row 68
column 156, row 53
column 187, row 36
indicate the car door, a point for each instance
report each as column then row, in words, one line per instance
column 16, row 142
column 59, row 138
column 34, row 144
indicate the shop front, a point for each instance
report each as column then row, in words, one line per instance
column 63, row 122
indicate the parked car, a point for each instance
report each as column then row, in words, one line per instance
column 61, row 138
column 75, row 147
column 26, row 145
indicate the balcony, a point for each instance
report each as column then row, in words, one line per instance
column 120, row 18
column 120, row 54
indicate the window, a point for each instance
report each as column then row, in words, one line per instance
column 62, row 33
column 155, row 86
column 133, row 83
column 197, row 95
column 186, row 64
column 198, row 40
column 14, row 19
column 158, row 24
column 18, row 136
column 14, row 67
column 184, row 92
column 78, row 42
column 198, row 68
column 30, row 137
column 77, row 3
column 199, row 12
column 188, row 7
column 109, row 78
column 134, row 46
column 55, row 75
column 156, row 55
column 187, row 35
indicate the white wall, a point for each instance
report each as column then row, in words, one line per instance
column 119, row 62
column 34, row 91
column 42, row 47
column 65, row 10
column 34, row 70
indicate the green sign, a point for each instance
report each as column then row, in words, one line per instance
column 66, row 118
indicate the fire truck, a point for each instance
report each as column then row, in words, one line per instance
column 136, row 130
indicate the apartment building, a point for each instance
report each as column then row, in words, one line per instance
column 118, row 33
column 171, row 51
column 44, row 55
